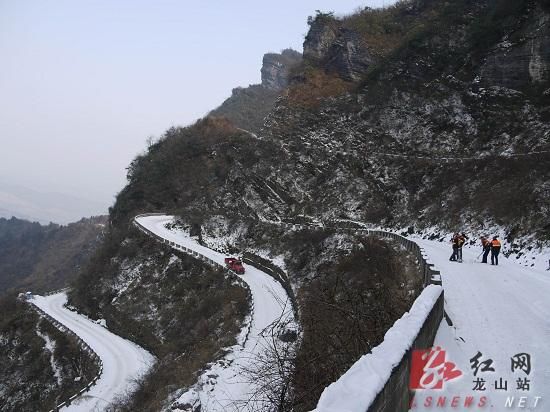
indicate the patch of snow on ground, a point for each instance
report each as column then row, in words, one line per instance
column 124, row 280
column 101, row 322
column 278, row 260
column 50, row 347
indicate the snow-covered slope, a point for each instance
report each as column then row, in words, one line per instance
column 123, row 361
column 224, row 386
column 499, row 311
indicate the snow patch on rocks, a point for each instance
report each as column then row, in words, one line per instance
column 49, row 345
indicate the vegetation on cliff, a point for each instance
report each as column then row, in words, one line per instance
column 39, row 363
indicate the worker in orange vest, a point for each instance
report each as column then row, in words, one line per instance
column 461, row 239
column 486, row 247
column 495, row 250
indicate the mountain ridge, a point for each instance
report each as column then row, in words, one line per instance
column 44, row 258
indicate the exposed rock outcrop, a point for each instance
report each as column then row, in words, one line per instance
column 276, row 68
column 348, row 55
column 319, row 39
column 526, row 61
column 338, row 49
column 248, row 106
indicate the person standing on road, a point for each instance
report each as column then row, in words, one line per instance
column 486, row 245
column 461, row 239
column 454, row 241
column 495, row 250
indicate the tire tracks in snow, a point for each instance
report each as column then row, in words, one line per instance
column 123, row 361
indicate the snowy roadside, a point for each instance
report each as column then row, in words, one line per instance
column 499, row 312
column 123, row 361
column 228, row 384
column 526, row 251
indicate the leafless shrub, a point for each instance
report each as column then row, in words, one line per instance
column 271, row 369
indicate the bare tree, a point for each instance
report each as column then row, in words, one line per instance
column 271, row 369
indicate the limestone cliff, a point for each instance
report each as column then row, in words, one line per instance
column 276, row 67
column 248, row 106
column 522, row 57
column 337, row 48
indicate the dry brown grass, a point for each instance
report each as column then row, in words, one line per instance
column 215, row 126
column 316, row 87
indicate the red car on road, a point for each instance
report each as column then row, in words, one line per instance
column 235, row 264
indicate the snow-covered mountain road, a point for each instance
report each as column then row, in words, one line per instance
column 123, row 361
column 498, row 311
column 223, row 387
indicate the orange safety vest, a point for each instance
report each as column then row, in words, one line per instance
column 495, row 243
column 484, row 242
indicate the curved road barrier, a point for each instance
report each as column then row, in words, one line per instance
column 83, row 345
column 121, row 361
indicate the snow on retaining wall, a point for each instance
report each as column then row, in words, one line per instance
column 356, row 390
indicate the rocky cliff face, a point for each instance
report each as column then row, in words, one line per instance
column 421, row 142
column 522, row 58
column 247, row 107
column 276, row 67
column 320, row 37
column 337, row 48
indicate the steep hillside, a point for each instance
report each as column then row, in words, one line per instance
column 423, row 135
column 43, row 258
column 426, row 135
column 176, row 307
column 39, row 363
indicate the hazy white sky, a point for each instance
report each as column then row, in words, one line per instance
column 84, row 83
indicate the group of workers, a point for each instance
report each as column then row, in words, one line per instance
column 492, row 246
